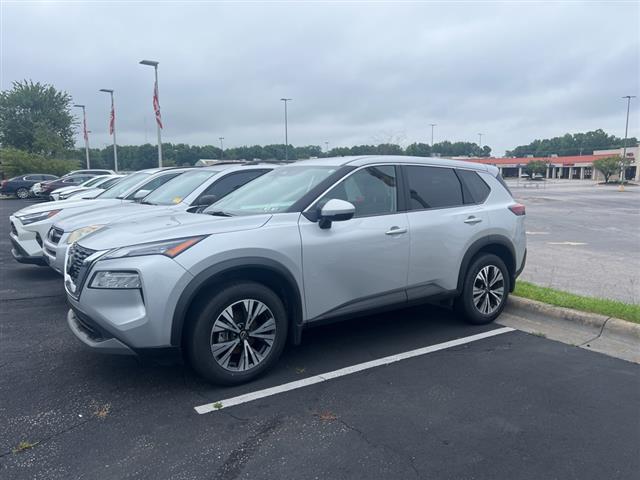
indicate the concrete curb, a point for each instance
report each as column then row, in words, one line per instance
column 611, row 336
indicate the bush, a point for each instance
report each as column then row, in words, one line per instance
column 17, row 162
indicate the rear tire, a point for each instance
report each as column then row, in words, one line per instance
column 22, row 193
column 485, row 290
column 238, row 334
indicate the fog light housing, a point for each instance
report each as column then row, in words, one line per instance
column 116, row 280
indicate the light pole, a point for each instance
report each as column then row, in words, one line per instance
column 624, row 145
column 480, row 139
column 326, row 145
column 286, row 131
column 85, row 133
column 112, row 127
column 432, row 127
column 221, row 147
column 156, row 106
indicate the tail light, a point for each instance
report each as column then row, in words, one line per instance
column 3, row 183
column 517, row 209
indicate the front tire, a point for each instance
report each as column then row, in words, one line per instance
column 485, row 290
column 238, row 334
column 22, row 193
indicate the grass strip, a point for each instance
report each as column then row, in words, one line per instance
column 603, row 306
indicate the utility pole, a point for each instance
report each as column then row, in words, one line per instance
column 480, row 139
column 624, row 145
column 221, row 147
column 432, row 127
column 326, row 144
column 286, row 132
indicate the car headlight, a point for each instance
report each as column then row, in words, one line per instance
column 82, row 232
column 168, row 248
column 116, row 280
column 28, row 218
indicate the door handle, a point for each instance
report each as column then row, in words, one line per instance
column 395, row 231
column 472, row 220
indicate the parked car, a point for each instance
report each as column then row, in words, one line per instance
column 91, row 171
column 30, row 224
column 64, row 192
column 21, row 185
column 193, row 190
column 94, row 191
column 46, row 188
column 305, row 243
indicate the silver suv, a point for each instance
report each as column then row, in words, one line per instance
column 304, row 243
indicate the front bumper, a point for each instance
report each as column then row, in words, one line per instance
column 27, row 241
column 54, row 253
column 139, row 319
column 89, row 333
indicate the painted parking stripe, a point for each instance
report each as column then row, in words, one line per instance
column 305, row 382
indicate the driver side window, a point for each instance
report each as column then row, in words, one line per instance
column 372, row 190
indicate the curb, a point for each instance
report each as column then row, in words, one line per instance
column 612, row 336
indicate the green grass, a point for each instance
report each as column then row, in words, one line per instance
column 610, row 308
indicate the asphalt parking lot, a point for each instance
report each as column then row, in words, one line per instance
column 513, row 405
column 582, row 237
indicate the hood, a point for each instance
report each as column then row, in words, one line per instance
column 167, row 227
column 66, row 204
column 67, row 189
column 122, row 213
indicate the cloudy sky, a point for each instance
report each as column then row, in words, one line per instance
column 363, row 72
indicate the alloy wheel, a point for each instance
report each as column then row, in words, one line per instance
column 243, row 335
column 22, row 193
column 488, row 289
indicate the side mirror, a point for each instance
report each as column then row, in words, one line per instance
column 207, row 200
column 335, row 211
column 140, row 194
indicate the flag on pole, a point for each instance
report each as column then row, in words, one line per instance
column 84, row 126
column 156, row 105
column 112, row 119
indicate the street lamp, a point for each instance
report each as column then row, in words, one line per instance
column 85, row 132
column 432, row 126
column 480, row 139
column 326, row 144
column 156, row 106
column 286, row 132
column 112, row 127
column 221, row 147
column 624, row 145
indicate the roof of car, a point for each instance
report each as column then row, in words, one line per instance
column 361, row 160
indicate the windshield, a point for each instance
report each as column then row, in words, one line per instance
column 110, row 182
column 177, row 189
column 124, row 185
column 92, row 181
column 273, row 192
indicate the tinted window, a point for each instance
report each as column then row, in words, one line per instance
column 175, row 191
column 371, row 190
column 433, row 187
column 125, row 185
column 228, row 184
column 475, row 190
column 31, row 178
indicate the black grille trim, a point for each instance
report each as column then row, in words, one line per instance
column 77, row 267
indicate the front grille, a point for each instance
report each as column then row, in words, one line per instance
column 55, row 234
column 76, row 267
column 13, row 229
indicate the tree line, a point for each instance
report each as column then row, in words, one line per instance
column 571, row 144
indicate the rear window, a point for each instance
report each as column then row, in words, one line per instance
column 474, row 188
column 433, row 187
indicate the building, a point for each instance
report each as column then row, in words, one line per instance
column 570, row 167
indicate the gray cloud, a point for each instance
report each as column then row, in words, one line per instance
column 358, row 73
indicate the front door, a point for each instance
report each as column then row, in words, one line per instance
column 359, row 263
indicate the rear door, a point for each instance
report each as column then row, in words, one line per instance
column 360, row 263
column 444, row 220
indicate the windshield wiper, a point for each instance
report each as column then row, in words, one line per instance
column 219, row 213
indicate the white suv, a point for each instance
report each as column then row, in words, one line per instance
column 304, row 243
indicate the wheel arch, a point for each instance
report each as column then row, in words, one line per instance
column 262, row 270
column 498, row 245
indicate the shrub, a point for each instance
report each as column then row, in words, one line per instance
column 17, row 162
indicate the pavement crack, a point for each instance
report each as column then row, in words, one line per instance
column 239, row 456
column 364, row 437
column 599, row 333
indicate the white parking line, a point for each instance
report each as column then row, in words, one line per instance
column 305, row 382
column 573, row 244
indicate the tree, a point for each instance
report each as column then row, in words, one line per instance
column 571, row 144
column 535, row 167
column 36, row 118
column 607, row 166
column 418, row 150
